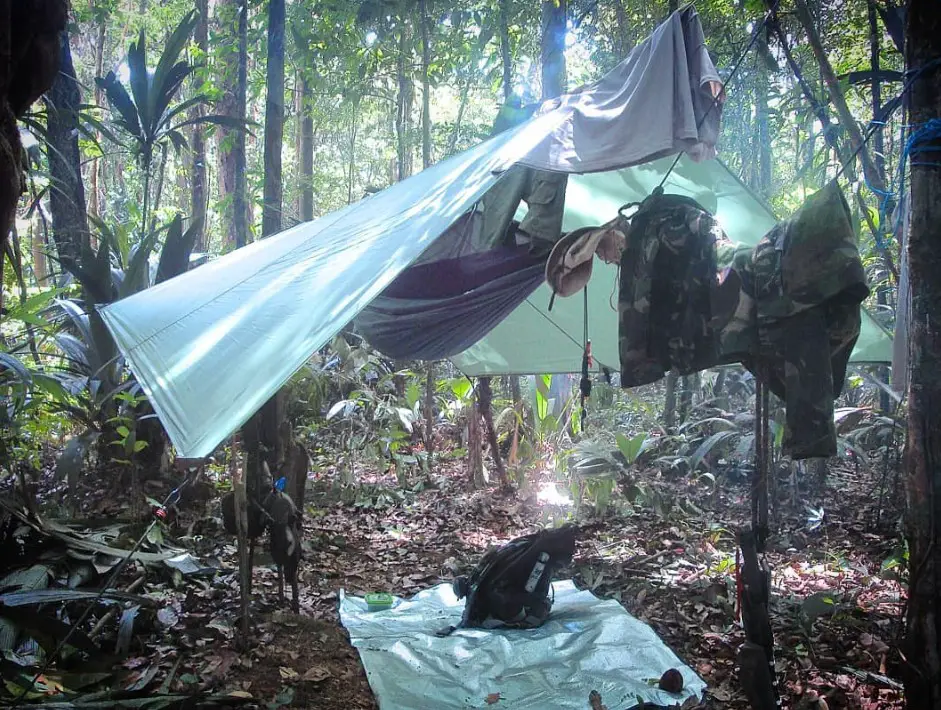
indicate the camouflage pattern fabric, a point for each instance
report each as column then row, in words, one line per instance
column 788, row 310
column 797, row 318
column 667, row 285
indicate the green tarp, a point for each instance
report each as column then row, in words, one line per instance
column 535, row 340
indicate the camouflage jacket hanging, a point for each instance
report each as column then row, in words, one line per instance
column 789, row 309
column 667, row 285
column 798, row 317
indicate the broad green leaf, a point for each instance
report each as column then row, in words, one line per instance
column 632, row 448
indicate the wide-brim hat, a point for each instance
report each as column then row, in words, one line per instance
column 568, row 269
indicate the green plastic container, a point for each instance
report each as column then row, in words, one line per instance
column 379, row 601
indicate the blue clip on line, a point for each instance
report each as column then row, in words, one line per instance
column 281, row 483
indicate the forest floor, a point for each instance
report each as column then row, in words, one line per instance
column 836, row 612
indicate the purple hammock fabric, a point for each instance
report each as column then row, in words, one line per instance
column 437, row 309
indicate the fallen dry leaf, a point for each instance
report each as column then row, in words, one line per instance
column 316, row 674
column 493, row 699
column 288, row 673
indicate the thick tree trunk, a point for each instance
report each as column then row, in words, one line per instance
column 505, row 55
column 230, row 143
column 67, row 201
column 923, row 474
column 198, row 208
column 425, row 86
column 554, row 17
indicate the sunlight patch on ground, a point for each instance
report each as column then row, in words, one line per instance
column 549, row 494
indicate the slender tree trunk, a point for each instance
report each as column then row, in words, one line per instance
column 837, row 97
column 38, row 251
column 554, row 18
column 821, row 114
column 430, row 411
column 240, row 208
column 403, row 104
column 307, row 152
column 67, row 200
column 274, row 121
column 475, row 459
column 669, row 406
column 98, row 163
column 485, row 403
column 425, row 85
column 764, row 136
column 505, row 55
column 198, row 209
column 878, row 147
column 923, row 467
column 623, row 40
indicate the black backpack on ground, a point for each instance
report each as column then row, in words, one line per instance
column 510, row 586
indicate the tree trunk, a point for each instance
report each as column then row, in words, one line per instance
column 485, row 403
column 685, row 403
column 97, row 164
column 274, row 121
column 820, row 112
column 763, row 148
column 669, row 405
column 623, row 40
column 265, row 444
column 307, row 152
column 475, row 459
column 38, row 251
column 67, row 201
column 923, row 474
column 553, row 47
column 240, row 208
column 403, row 104
column 505, row 54
column 430, row 411
column 837, row 97
column 878, row 147
column 231, row 143
column 425, row 86
column 198, row 209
